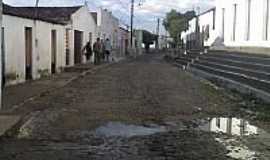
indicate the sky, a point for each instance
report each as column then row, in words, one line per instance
column 146, row 11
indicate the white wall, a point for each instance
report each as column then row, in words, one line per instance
column 83, row 21
column 15, row 47
column 207, row 20
column 257, row 23
column 108, row 26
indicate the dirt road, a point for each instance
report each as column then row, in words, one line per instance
column 141, row 109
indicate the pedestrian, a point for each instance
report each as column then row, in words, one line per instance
column 108, row 49
column 97, row 51
column 102, row 50
column 88, row 50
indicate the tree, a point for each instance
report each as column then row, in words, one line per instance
column 148, row 39
column 175, row 23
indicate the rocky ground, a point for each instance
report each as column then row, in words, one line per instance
column 143, row 109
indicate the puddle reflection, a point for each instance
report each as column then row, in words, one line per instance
column 235, row 127
column 232, row 126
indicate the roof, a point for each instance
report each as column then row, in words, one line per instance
column 207, row 11
column 58, row 15
column 94, row 15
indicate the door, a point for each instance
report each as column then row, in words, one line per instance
column 28, row 53
column 53, row 51
column 78, row 35
column 67, row 48
column 3, row 57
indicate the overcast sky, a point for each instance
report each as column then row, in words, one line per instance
column 146, row 14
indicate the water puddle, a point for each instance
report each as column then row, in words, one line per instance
column 117, row 129
column 233, row 133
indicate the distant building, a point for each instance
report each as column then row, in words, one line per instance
column 123, row 40
column 41, row 41
column 108, row 26
column 202, row 30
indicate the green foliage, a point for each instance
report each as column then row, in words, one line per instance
column 176, row 22
column 148, row 38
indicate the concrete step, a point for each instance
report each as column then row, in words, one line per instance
column 238, row 77
column 247, row 58
column 237, row 63
column 265, row 76
column 243, row 54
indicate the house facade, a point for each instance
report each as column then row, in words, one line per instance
column 108, row 26
column 123, row 41
column 202, row 30
column 237, row 25
column 244, row 25
column 39, row 42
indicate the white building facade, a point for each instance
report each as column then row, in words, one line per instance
column 237, row 25
column 36, row 47
column 244, row 23
column 108, row 26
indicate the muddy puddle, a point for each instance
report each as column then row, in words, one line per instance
column 216, row 138
column 242, row 140
column 117, row 129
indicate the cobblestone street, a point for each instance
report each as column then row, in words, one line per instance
column 139, row 109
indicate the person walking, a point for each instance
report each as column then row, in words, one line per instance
column 97, row 51
column 88, row 50
column 108, row 49
column 102, row 50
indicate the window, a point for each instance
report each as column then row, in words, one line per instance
column 248, row 13
column 218, row 123
column 223, row 22
column 67, row 47
column 234, row 21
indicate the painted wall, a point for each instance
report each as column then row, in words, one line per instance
column 123, row 39
column 82, row 21
column 208, row 27
column 257, row 23
column 108, row 26
column 231, row 26
column 14, row 46
column 1, row 55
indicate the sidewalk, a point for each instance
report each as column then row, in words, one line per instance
column 17, row 95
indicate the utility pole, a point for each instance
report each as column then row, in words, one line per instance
column 131, row 23
column 157, row 42
column 1, row 66
column 158, row 24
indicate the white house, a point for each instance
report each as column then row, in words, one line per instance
column 244, row 24
column 108, row 26
column 237, row 25
column 41, row 41
column 123, row 40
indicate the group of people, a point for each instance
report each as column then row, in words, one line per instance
column 101, row 50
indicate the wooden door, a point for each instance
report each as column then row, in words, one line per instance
column 28, row 53
column 78, row 37
column 53, row 51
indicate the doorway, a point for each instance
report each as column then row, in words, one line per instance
column 28, row 53
column 53, row 51
column 78, row 37
column 3, row 57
